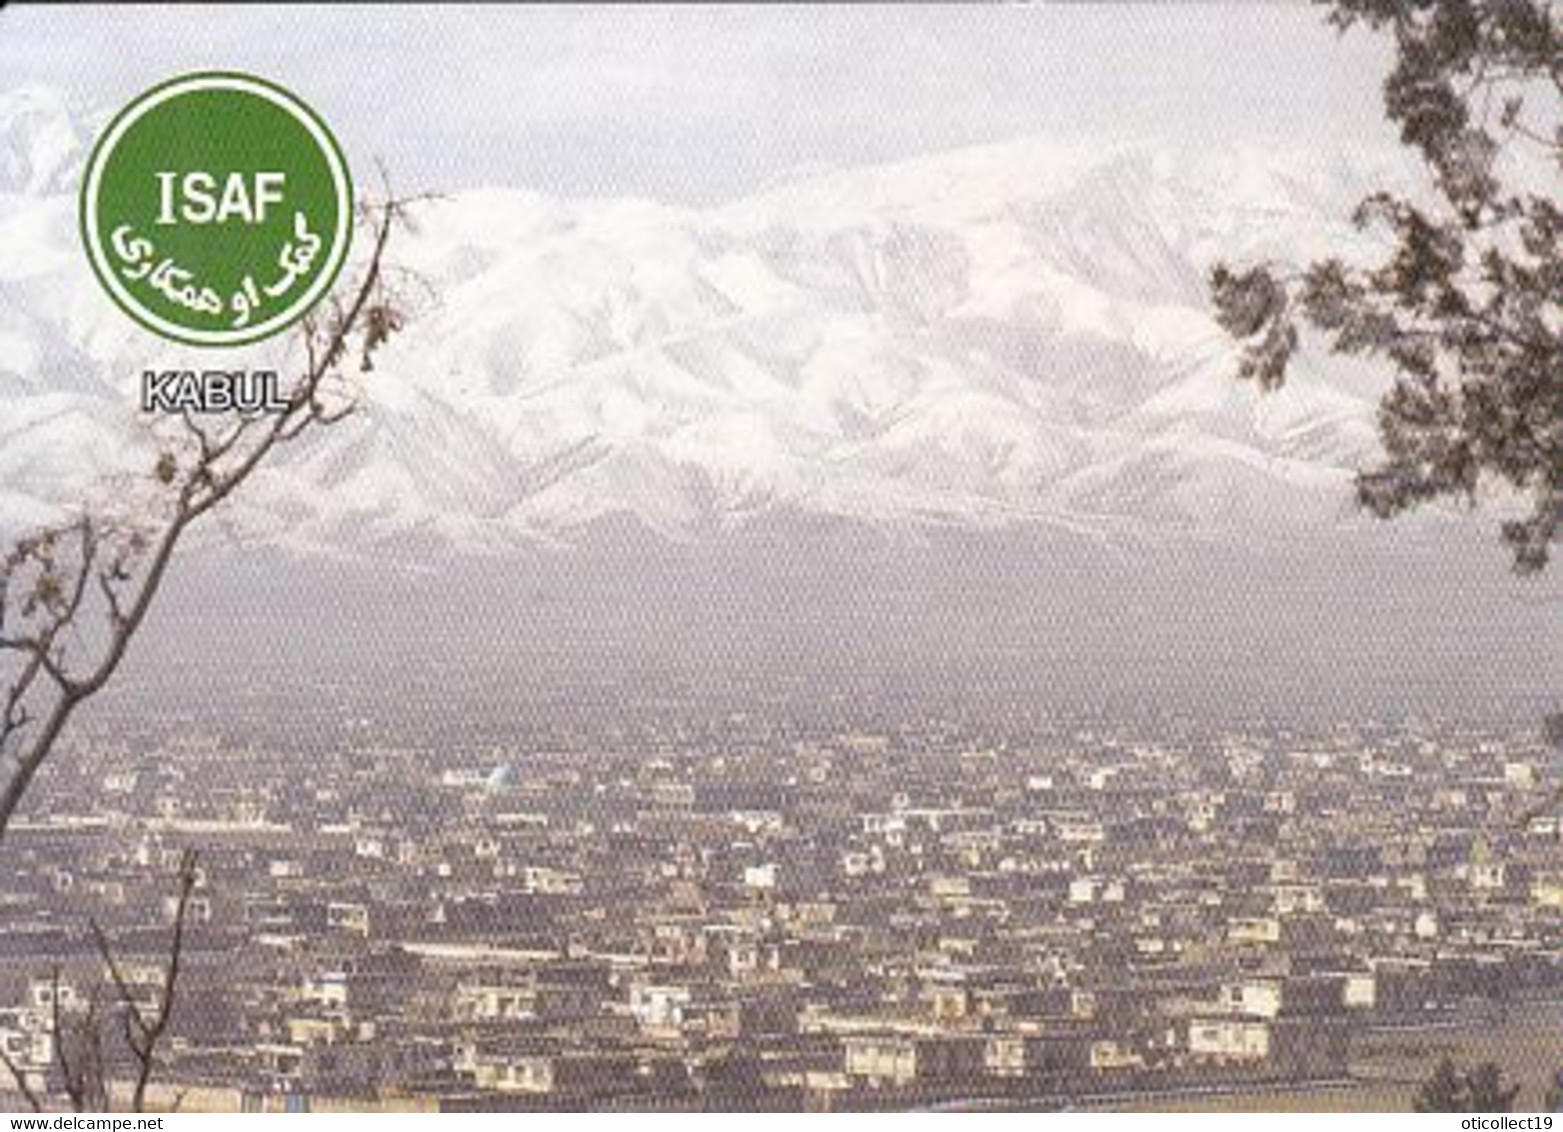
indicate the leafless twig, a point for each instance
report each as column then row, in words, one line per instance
column 89, row 583
column 19, row 1077
column 144, row 1029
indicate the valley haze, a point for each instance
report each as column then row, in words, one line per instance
column 964, row 413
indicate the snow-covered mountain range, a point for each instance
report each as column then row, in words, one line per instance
column 1013, row 335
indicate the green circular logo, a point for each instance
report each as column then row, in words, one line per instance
column 216, row 209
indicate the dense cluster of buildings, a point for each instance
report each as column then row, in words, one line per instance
column 745, row 915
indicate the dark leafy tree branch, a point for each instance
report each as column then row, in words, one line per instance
column 73, row 597
column 1467, row 308
column 1451, row 1089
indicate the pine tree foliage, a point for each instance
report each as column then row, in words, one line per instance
column 1467, row 306
column 1450, row 1089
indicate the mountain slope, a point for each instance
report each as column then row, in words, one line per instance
column 1014, row 335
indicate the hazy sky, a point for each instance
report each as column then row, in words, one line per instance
column 704, row 103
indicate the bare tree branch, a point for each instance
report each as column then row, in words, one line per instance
column 50, row 581
column 20, row 1080
column 72, row 1078
column 78, row 1043
column 143, row 1032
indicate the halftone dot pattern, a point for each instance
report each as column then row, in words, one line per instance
column 832, row 638
column 270, row 170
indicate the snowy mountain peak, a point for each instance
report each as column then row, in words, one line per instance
column 1008, row 335
column 40, row 144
